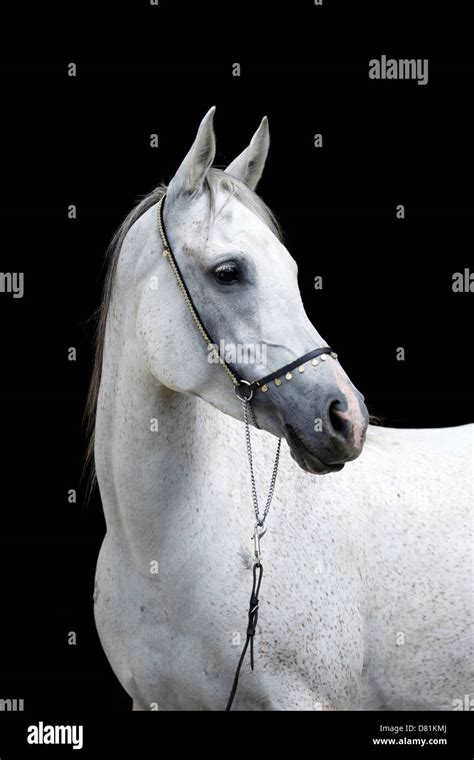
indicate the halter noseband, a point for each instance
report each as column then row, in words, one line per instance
column 243, row 388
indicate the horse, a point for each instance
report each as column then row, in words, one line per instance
column 367, row 595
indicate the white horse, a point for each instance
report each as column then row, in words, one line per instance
column 367, row 597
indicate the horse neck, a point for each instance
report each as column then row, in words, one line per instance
column 155, row 450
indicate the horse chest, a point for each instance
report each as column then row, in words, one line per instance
column 308, row 645
column 182, row 632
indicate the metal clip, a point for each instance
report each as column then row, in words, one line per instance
column 240, row 393
column 258, row 533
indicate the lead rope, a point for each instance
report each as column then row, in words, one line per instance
column 259, row 532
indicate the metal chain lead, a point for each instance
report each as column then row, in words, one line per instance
column 260, row 519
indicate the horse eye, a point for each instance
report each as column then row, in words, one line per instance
column 227, row 273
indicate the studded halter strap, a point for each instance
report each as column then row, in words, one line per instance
column 244, row 390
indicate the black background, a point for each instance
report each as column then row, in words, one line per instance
column 85, row 141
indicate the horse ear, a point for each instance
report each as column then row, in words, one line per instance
column 190, row 175
column 249, row 165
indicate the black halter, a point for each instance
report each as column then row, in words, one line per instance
column 243, row 388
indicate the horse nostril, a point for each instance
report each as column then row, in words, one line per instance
column 339, row 420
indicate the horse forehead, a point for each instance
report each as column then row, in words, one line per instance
column 232, row 223
column 243, row 228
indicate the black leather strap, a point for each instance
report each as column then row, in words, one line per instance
column 288, row 367
column 251, row 629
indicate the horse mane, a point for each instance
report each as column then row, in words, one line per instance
column 215, row 179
